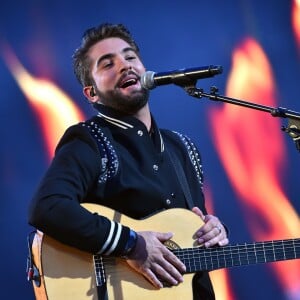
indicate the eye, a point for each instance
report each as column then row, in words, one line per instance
column 107, row 65
column 130, row 57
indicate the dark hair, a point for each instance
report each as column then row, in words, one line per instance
column 81, row 62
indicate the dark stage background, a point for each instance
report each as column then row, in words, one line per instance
column 251, row 166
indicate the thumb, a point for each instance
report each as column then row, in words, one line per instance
column 164, row 236
column 199, row 213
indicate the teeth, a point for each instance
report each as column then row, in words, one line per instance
column 129, row 82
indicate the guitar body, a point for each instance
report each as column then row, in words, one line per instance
column 67, row 273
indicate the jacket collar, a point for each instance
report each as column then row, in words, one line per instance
column 126, row 122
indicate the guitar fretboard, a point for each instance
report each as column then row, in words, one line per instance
column 200, row 259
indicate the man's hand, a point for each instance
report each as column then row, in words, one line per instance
column 154, row 260
column 212, row 232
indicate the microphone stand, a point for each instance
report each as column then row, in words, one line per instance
column 293, row 128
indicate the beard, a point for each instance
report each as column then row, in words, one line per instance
column 128, row 105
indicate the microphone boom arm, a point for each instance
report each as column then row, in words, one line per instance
column 293, row 128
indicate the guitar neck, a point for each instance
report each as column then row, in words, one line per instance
column 208, row 259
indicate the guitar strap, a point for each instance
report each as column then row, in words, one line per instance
column 181, row 177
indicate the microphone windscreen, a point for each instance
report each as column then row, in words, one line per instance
column 147, row 80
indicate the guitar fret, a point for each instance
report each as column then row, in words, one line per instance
column 222, row 258
column 99, row 270
column 279, row 255
column 264, row 252
column 283, row 250
column 270, row 252
column 239, row 257
column 294, row 248
column 247, row 254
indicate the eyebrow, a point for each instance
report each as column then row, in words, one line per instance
column 110, row 55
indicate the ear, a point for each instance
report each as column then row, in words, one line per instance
column 89, row 93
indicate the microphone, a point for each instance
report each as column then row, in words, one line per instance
column 182, row 77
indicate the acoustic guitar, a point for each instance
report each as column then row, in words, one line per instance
column 68, row 273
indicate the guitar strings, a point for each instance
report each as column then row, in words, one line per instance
column 197, row 259
column 200, row 259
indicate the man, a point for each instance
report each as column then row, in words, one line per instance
column 121, row 159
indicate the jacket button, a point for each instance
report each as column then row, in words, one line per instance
column 155, row 167
column 168, row 202
column 140, row 132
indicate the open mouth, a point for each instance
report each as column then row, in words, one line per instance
column 128, row 82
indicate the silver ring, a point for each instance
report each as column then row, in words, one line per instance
column 219, row 228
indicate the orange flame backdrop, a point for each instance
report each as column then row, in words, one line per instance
column 251, row 149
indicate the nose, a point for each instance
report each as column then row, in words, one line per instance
column 124, row 64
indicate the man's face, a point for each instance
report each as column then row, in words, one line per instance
column 116, row 71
